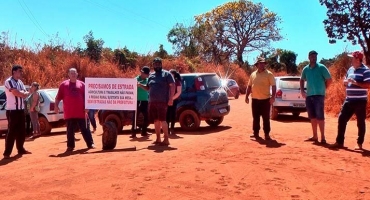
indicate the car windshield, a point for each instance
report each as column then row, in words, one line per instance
column 52, row 94
column 212, row 81
column 290, row 83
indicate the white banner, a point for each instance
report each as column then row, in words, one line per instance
column 110, row 93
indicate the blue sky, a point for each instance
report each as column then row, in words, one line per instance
column 142, row 25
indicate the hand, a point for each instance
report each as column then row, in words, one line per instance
column 272, row 100
column 170, row 102
column 345, row 82
column 56, row 109
column 304, row 94
column 247, row 100
column 352, row 81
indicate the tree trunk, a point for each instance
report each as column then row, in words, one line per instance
column 367, row 57
column 240, row 59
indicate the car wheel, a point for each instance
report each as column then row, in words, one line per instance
column 109, row 138
column 116, row 120
column 45, row 127
column 273, row 113
column 213, row 122
column 189, row 120
column 296, row 114
column 237, row 95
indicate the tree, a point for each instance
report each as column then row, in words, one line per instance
column 94, row 47
column 289, row 58
column 349, row 19
column 235, row 28
column 183, row 40
column 162, row 53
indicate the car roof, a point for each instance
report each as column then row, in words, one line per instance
column 281, row 77
column 197, row 74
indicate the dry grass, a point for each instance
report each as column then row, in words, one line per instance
column 49, row 67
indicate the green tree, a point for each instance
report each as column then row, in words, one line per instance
column 302, row 65
column 288, row 58
column 94, row 47
column 235, row 28
column 162, row 53
column 183, row 40
column 348, row 19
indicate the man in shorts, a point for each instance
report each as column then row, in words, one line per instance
column 318, row 80
column 161, row 87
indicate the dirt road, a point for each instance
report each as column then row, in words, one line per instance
column 219, row 163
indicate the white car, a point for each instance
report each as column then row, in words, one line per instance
column 48, row 119
column 288, row 98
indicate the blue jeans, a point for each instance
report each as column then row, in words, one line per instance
column 85, row 131
column 348, row 109
column 92, row 120
column 315, row 107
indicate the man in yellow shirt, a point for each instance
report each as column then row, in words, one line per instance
column 259, row 85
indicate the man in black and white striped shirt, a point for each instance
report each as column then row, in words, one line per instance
column 15, row 94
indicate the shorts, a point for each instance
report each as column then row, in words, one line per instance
column 315, row 107
column 157, row 111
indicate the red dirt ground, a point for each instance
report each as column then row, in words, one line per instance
column 219, row 163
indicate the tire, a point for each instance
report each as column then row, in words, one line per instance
column 273, row 113
column 213, row 122
column 296, row 114
column 189, row 120
column 237, row 95
column 109, row 138
column 45, row 127
column 115, row 119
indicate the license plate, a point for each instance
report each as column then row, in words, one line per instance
column 222, row 110
column 300, row 105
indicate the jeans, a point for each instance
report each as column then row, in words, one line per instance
column 16, row 131
column 261, row 108
column 142, row 107
column 92, row 120
column 315, row 107
column 348, row 109
column 85, row 131
column 34, row 115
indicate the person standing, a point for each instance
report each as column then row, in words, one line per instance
column 33, row 107
column 91, row 115
column 161, row 90
column 259, row 85
column 357, row 84
column 15, row 94
column 318, row 80
column 142, row 102
column 72, row 92
column 171, row 110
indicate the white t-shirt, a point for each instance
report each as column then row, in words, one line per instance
column 13, row 102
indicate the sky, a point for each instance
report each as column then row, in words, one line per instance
column 142, row 25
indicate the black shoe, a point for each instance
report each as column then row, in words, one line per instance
column 267, row 138
column 24, row 151
column 69, row 149
column 91, row 147
column 6, row 157
column 133, row 136
column 144, row 134
column 255, row 135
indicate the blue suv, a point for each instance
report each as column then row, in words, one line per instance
column 202, row 99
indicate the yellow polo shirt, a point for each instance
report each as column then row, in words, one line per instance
column 261, row 83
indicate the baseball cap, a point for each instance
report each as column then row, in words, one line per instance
column 157, row 60
column 260, row 60
column 356, row 54
column 312, row 52
column 145, row 70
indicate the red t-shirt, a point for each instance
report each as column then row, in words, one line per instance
column 73, row 96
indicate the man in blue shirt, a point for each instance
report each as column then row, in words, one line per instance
column 318, row 79
column 357, row 82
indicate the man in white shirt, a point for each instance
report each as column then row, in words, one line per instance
column 15, row 93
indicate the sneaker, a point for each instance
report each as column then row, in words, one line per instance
column 133, row 136
column 336, row 145
column 24, row 151
column 144, row 134
column 6, row 157
column 255, row 135
column 91, row 147
column 69, row 149
column 267, row 137
column 358, row 147
column 323, row 141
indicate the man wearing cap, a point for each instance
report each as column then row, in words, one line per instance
column 357, row 82
column 15, row 94
column 161, row 87
column 259, row 85
column 318, row 80
column 142, row 101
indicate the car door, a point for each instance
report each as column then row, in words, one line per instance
column 3, row 119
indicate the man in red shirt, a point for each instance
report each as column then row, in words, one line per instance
column 72, row 92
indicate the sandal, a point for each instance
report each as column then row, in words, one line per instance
column 312, row 139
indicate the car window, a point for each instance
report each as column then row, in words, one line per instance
column 290, row 83
column 211, row 81
column 52, row 94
